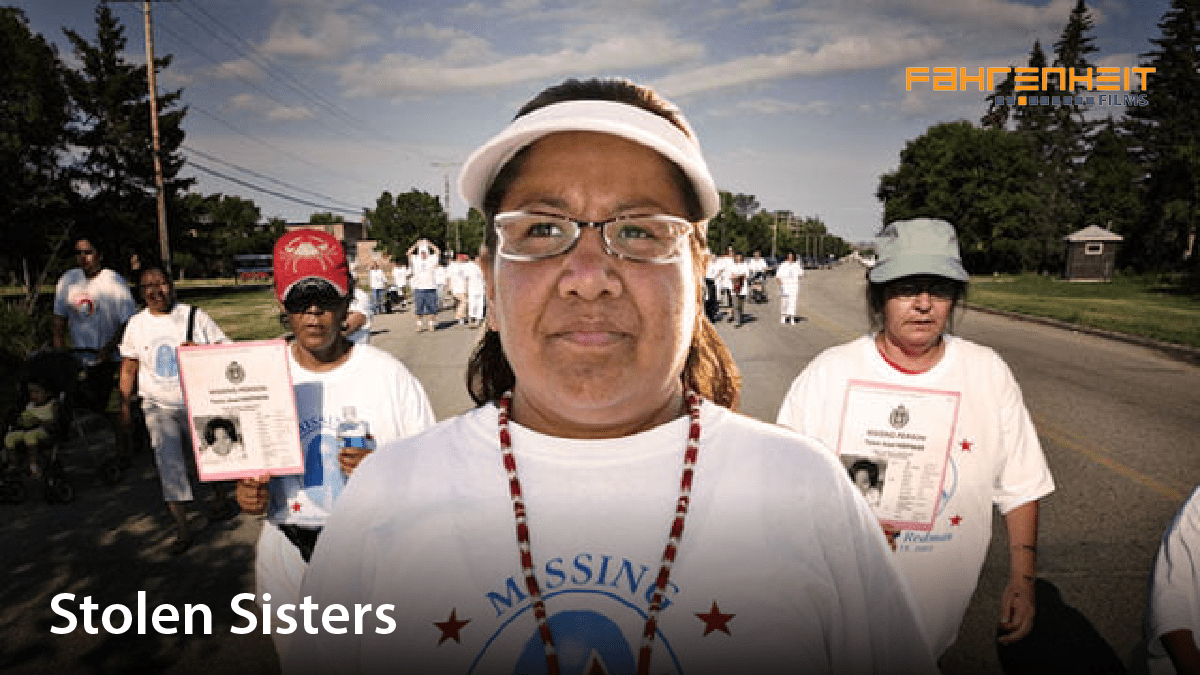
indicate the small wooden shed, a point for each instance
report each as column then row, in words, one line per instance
column 1091, row 254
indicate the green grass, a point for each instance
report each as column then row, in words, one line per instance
column 1135, row 305
column 243, row 312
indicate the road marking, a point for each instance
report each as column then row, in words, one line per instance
column 1099, row 457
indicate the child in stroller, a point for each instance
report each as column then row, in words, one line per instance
column 33, row 432
column 758, row 287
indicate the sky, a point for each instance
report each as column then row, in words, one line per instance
column 328, row 103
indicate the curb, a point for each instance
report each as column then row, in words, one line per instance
column 1182, row 352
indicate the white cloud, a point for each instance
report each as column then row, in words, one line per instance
column 242, row 69
column 773, row 106
column 326, row 35
column 400, row 74
column 998, row 13
column 843, row 54
column 270, row 110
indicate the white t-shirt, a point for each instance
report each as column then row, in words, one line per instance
column 384, row 394
column 995, row 458
column 740, row 269
column 152, row 340
column 474, row 276
column 722, row 266
column 423, row 272
column 756, row 265
column 456, row 274
column 94, row 308
column 377, row 278
column 1175, row 585
column 360, row 303
column 789, row 274
column 400, row 275
column 781, row 568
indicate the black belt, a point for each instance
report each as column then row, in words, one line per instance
column 303, row 538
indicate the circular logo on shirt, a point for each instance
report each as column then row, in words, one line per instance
column 899, row 417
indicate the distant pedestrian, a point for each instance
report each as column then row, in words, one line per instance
column 423, row 265
column 377, row 280
column 788, row 275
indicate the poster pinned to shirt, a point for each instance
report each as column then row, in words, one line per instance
column 895, row 443
column 241, row 409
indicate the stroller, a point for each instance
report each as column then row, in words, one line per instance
column 77, row 431
column 758, row 288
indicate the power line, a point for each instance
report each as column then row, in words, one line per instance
column 273, row 193
column 264, row 176
column 246, row 49
column 220, row 120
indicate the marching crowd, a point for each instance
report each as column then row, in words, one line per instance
column 605, row 508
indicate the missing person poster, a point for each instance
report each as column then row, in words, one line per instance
column 241, row 409
column 895, row 443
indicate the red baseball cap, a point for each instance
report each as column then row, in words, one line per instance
column 309, row 254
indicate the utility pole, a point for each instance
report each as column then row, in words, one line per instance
column 164, row 246
column 446, row 204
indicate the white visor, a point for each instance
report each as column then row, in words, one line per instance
column 607, row 117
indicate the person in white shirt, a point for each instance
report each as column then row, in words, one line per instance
column 476, row 301
column 377, row 280
column 358, row 318
column 725, row 280
column 334, row 381
column 400, row 283
column 602, row 510
column 150, row 369
column 887, row 394
column 92, row 303
column 423, row 265
column 1173, row 611
column 739, row 280
column 456, row 280
column 788, row 275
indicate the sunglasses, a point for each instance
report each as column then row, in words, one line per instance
column 313, row 293
column 942, row 289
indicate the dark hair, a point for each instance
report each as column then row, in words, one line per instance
column 150, row 264
column 215, row 423
column 867, row 465
column 709, row 369
column 877, row 297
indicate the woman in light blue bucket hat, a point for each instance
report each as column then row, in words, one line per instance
column 944, row 419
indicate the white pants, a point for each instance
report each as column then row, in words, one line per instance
column 475, row 303
column 279, row 570
column 172, row 441
column 788, row 297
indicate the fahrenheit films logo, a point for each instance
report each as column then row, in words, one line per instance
column 1080, row 88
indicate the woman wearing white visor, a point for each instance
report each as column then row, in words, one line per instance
column 603, row 510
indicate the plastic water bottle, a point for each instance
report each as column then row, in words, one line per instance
column 353, row 432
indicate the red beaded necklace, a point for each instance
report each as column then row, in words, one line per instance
column 668, row 557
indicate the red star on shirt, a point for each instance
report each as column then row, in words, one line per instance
column 715, row 620
column 296, row 507
column 956, row 520
column 450, row 627
column 965, row 445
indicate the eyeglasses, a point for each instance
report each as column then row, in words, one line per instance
column 529, row 236
column 942, row 289
column 320, row 294
column 85, row 251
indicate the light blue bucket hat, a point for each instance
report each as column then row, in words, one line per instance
column 920, row 246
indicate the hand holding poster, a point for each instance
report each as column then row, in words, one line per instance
column 895, row 443
column 242, row 409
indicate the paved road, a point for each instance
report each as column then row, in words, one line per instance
column 1118, row 423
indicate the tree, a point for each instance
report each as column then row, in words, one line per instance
column 397, row 223
column 1111, row 182
column 34, row 188
column 982, row 181
column 325, row 218
column 112, row 131
column 1166, row 144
